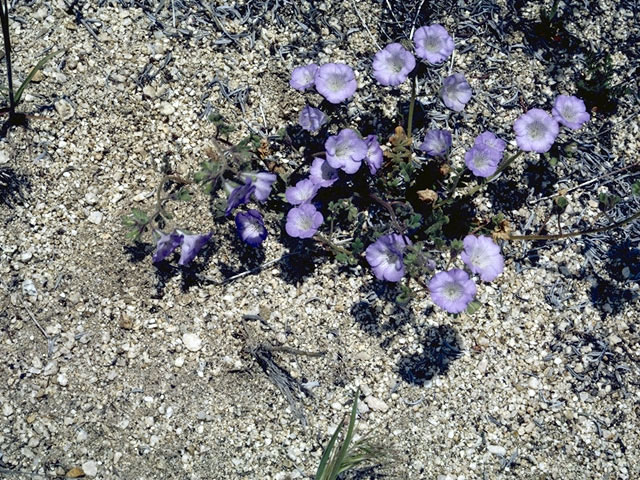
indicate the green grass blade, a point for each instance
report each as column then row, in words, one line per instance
column 337, row 466
column 320, row 474
column 32, row 74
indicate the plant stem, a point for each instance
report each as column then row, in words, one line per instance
column 621, row 223
column 335, row 248
column 412, row 104
column 4, row 18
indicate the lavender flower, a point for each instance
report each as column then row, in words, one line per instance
column 436, row 142
column 386, row 257
column 322, row 174
column 570, row 111
column 535, row 131
column 303, row 192
column 482, row 256
column 251, row 228
column 167, row 243
column 303, row 221
column 336, row 82
column 490, row 141
column 311, row 119
column 433, row 43
column 263, row 182
column 346, row 150
column 303, row 77
column 482, row 160
column 239, row 195
column 456, row 92
column 452, row 290
column 374, row 154
column 392, row 65
column 191, row 246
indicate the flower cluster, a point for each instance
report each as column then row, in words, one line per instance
column 536, row 130
column 485, row 155
column 345, row 151
column 190, row 245
column 336, row 82
column 393, row 64
column 250, row 224
column 453, row 290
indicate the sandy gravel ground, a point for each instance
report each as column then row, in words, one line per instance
column 114, row 369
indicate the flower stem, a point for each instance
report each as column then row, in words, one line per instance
column 332, row 246
column 559, row 236
column 412, row 104
column 4, row 18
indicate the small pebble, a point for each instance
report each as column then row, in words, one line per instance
column 90, row 468
column 497, row 450
column 167, row 109
column 91, row 198
column 63, row 381
column 192, row 342
column 28, row 288
column 96, row 217
column 64, row 109
column 376, row 404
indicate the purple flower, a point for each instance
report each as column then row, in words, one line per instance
column 433, row 43
column 336, row 82
column 167, row 243
column 191, row 246
column 239, row 195
column 490, row 141
column 535, row 131
column 436, row 142
column 311, row 119
column 456, row 92
column 250, row 227
column 482, row 160
column 303, row 221
column 263, row 181
column 374, row 154
column 392, row 65
column 303, row 192
column 322, row 174
column 346, row 150
column 303, row 77
column 570, row 111
column 452, row 290
column 386, row 257
column 482, row 256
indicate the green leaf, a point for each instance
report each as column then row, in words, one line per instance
column 345, row 258
column 357, row 247
column 414, row 221
column 562, row 202
column 183, row 195
column 404, row 296
column 140, row 215
column 457, row 245
column 473, row 307
column 133, row 235
column 338, row 466
column 32, row 73
column 128, row 221
column 635, row 188
column 320, row 473
column 553, row 161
